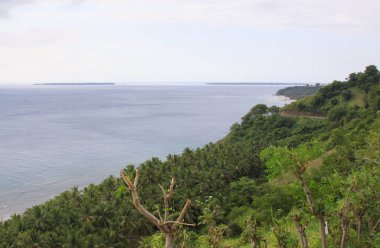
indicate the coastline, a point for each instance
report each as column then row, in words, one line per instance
column 285, row 99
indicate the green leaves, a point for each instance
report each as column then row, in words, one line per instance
column 121, row 191
column 282, row 159
column 276, row 160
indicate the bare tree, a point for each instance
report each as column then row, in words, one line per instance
column 167, row 227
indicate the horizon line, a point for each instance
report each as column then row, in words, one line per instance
column 161, row 83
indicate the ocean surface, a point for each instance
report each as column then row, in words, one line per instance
column 55, row 137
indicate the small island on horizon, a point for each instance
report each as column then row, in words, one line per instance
column 256, row 83
column 75, row 84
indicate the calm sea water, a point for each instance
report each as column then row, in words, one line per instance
column 53, row 138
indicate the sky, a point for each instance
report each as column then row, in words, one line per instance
column 137, row 41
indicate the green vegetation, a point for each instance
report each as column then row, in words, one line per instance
column 360, row 91
column 283, row 181
column 298, row 92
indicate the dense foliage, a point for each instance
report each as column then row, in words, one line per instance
column 246, row 189
column 298, row 92
column 360, row 91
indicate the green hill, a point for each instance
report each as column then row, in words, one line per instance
column 298, row 92
column 359, row 91
column 274, row 179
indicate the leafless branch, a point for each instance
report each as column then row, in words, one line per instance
column 181, row 217
column 167, row 227
column 136, row 199
column 178, row 223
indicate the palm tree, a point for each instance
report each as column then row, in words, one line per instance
column 37, row 219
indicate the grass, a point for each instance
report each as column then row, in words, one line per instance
column 358, row 99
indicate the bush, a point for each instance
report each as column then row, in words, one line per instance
column 337, row 114
column 347, row 94
column 334, row 101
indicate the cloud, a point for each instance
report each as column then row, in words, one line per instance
column 322, row 14
column 7, row 5
column 169, row 40
column 298, row 14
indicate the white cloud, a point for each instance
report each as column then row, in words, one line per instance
column 7, row 5
column 318, row 14
column 128, row 40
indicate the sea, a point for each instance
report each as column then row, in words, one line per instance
column 53, row 138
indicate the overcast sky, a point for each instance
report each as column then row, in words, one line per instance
column 186, row 40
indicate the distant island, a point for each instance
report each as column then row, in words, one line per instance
column 258, row 83
column 75, row 84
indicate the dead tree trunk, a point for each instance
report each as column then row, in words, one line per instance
column 169, row 240
column 167, row 227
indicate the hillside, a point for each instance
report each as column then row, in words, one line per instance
column 359, row 91
column 298, row 92
column 274, row 179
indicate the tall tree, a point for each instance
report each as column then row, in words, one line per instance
column 167, row 227
column 296, row 161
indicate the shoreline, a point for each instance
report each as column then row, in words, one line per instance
column 285, row 98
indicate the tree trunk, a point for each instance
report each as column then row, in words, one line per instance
column 254, row 234
column 265, row 243
column 305, row 241
column 167, row 227
column 314, row 211
column 344, row 224
column 309, row 198
column 323, row 232
column 254, row 243
column 169, row 240
column 279, row 243
column 302, row 233
column 359, row 230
